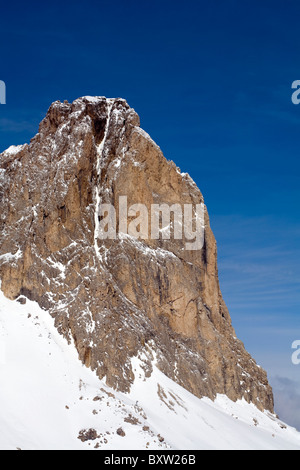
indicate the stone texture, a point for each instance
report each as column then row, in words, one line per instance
column 117, row 298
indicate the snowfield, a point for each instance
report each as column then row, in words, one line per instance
column 50, row 401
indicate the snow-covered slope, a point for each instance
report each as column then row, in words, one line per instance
column 48, row 399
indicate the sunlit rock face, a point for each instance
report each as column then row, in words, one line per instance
column 118, row 296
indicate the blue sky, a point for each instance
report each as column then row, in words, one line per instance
column 211, row 81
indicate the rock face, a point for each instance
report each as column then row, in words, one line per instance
column 123, row 297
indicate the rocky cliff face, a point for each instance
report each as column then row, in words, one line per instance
column 123, row 297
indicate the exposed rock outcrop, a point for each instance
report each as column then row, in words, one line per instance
column 116, row 298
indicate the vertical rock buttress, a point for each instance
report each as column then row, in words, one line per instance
column 117, row 297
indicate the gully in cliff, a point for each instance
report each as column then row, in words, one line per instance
column 135, row 221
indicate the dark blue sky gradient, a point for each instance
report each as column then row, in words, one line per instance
column 211, row 81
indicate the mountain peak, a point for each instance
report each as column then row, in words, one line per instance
column 119, row 296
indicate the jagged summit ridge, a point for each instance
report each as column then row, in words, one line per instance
column 116, row 297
